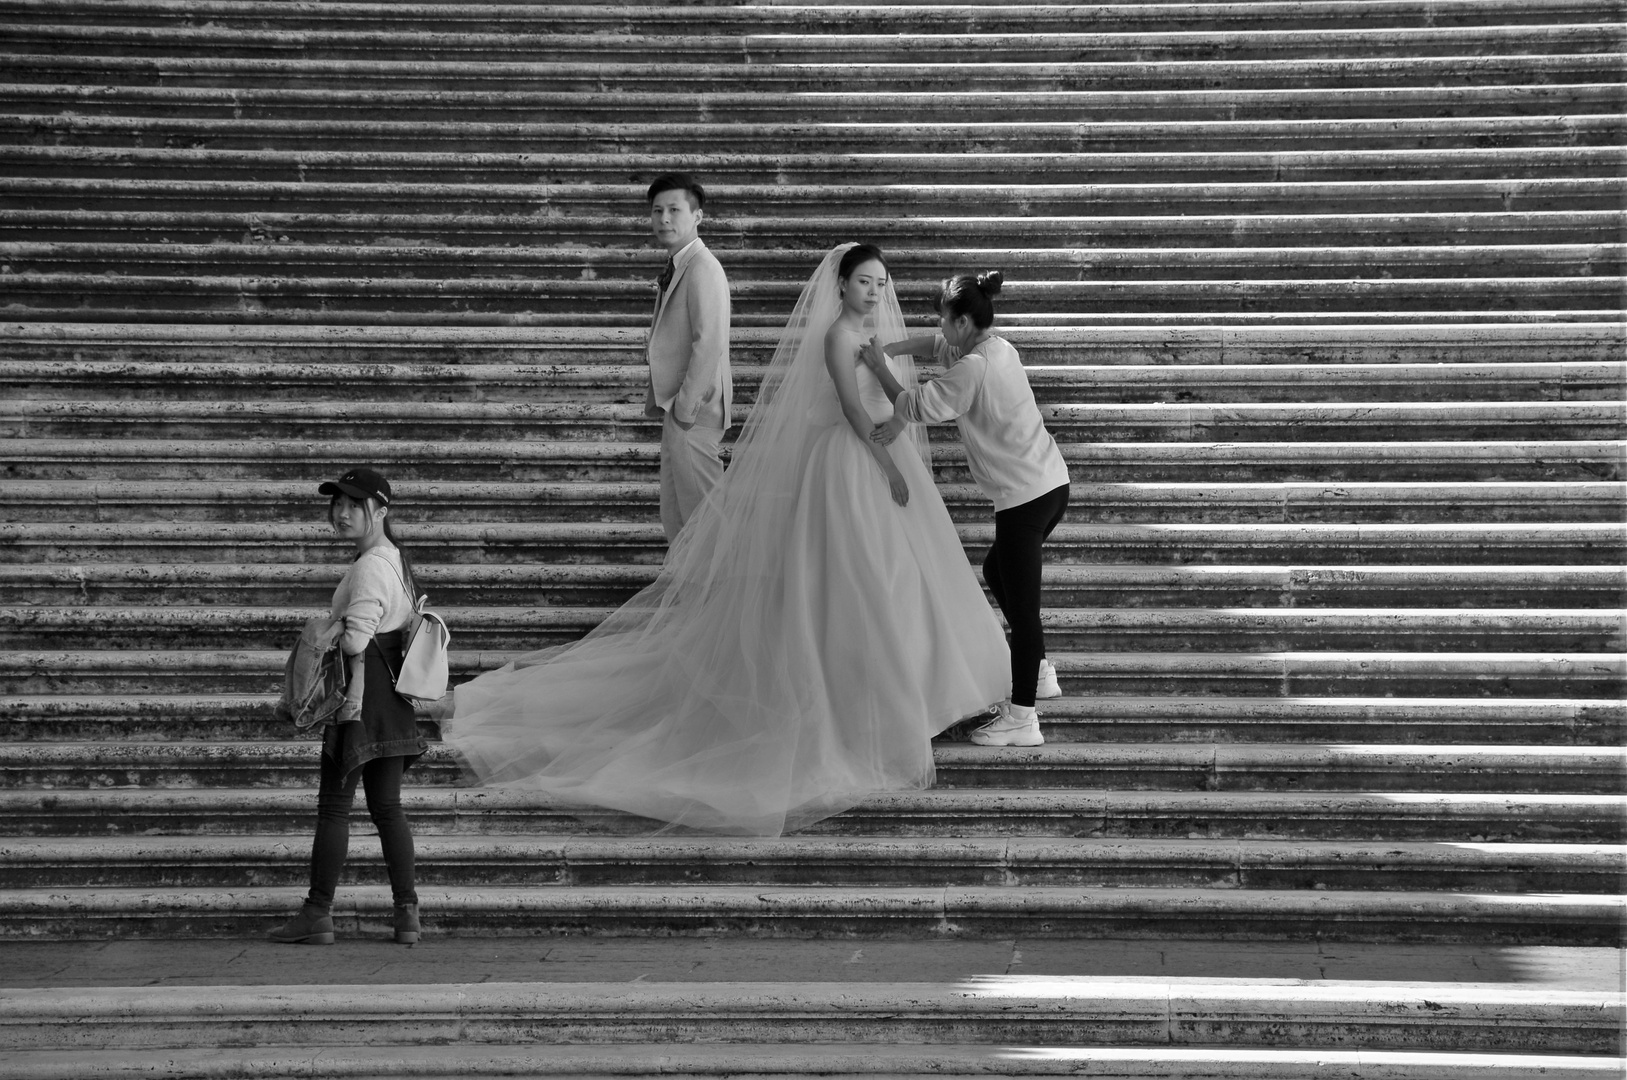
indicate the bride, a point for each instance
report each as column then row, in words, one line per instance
column 816, row 622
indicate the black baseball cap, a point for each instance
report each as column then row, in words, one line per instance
column 359, row 483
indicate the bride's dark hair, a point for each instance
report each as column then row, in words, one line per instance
column 855, row 257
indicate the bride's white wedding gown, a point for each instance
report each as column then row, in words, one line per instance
column 831, row 634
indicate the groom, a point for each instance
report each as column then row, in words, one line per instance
column 690, row 389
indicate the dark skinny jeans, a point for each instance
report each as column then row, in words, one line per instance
column 381, row 778
column 1012, row 572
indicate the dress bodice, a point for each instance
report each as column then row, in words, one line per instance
column 871, row 395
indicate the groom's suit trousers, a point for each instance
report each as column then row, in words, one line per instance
column 690, row 468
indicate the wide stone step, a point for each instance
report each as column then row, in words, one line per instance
column 606, row 422
column 1098, row 718
column 820, row 201
column 537, row 461
column 797, row 1060
column 700, row 1026
column 631, row 54
column 547, row 862
column 1503, row 675
column 1019, row 136
column 1448, row 817
column 1104, row 630
column 328, row 299
column 474, row 358
column 45, row 385
column 965, row 912
column 623, row 273
column 598, row 584
column 1210, row 105
column 1366, row 502
column 725, row 231
column 594, row 543
column 1120, row 766
column 623, row 18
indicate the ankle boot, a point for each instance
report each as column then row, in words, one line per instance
column 406, row 924
column 312, row 926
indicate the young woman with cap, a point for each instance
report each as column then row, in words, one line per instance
column 375, row 737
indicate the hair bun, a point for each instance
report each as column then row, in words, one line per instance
column 990, row 282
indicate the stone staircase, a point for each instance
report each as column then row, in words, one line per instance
column 1324, row 301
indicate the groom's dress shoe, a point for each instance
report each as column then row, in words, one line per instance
column 1009, row 730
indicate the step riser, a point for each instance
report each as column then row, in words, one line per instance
column 1600, row 780
column 1374, row 427
column 889, row 925
column 365, row 867
column 1243, row 551
column 1133, row 817
column 1139, row 639
column 1171, row 595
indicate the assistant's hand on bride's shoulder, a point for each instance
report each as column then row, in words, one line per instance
column 884, row 433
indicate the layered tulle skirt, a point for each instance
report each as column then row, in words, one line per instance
column 835, row 633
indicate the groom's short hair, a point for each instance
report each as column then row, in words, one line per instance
column 677, row 181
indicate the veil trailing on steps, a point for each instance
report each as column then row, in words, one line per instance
column 781, row 666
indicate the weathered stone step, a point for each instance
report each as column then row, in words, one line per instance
column 1455, row 817
column 1104, row 630
column 749, row 164
column 823, row 72
column 470, row 358
column 216, row 298
column 530, row 461
column 829, row 200
column 548, row 862
column 725, row 231
column 1298, row 674
column 797, row 1060
column 737, row 1023
column 81, row 382
column 1119, row 766
column 630, row 53
column 1365, row 502
column 622, row 274
column 967, row 912
column 1019, row 136
column 593, row 543
column 608, row 584
column 1220, row 103
column 1067, row 420
column 1098, row 718
column 626, row 18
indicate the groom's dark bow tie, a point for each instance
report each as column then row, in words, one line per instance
column 665, row 279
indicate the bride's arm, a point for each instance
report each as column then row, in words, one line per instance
column 839, row 362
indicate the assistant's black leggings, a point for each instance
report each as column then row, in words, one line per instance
column 1012, row 571
column 381, row 779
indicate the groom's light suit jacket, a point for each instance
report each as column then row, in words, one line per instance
column 689, row 341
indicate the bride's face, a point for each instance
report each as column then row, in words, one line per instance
column 862, row 289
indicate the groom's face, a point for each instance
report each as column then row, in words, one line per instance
column 673, row 219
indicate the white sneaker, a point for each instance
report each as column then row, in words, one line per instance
column 1047, row 687
column 1009, row 730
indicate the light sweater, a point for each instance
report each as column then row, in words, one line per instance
column 371, row 598
column 1011, row 455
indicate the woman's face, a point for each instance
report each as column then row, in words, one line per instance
column 354, row 519
column 862, row 289
column 957, row 331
